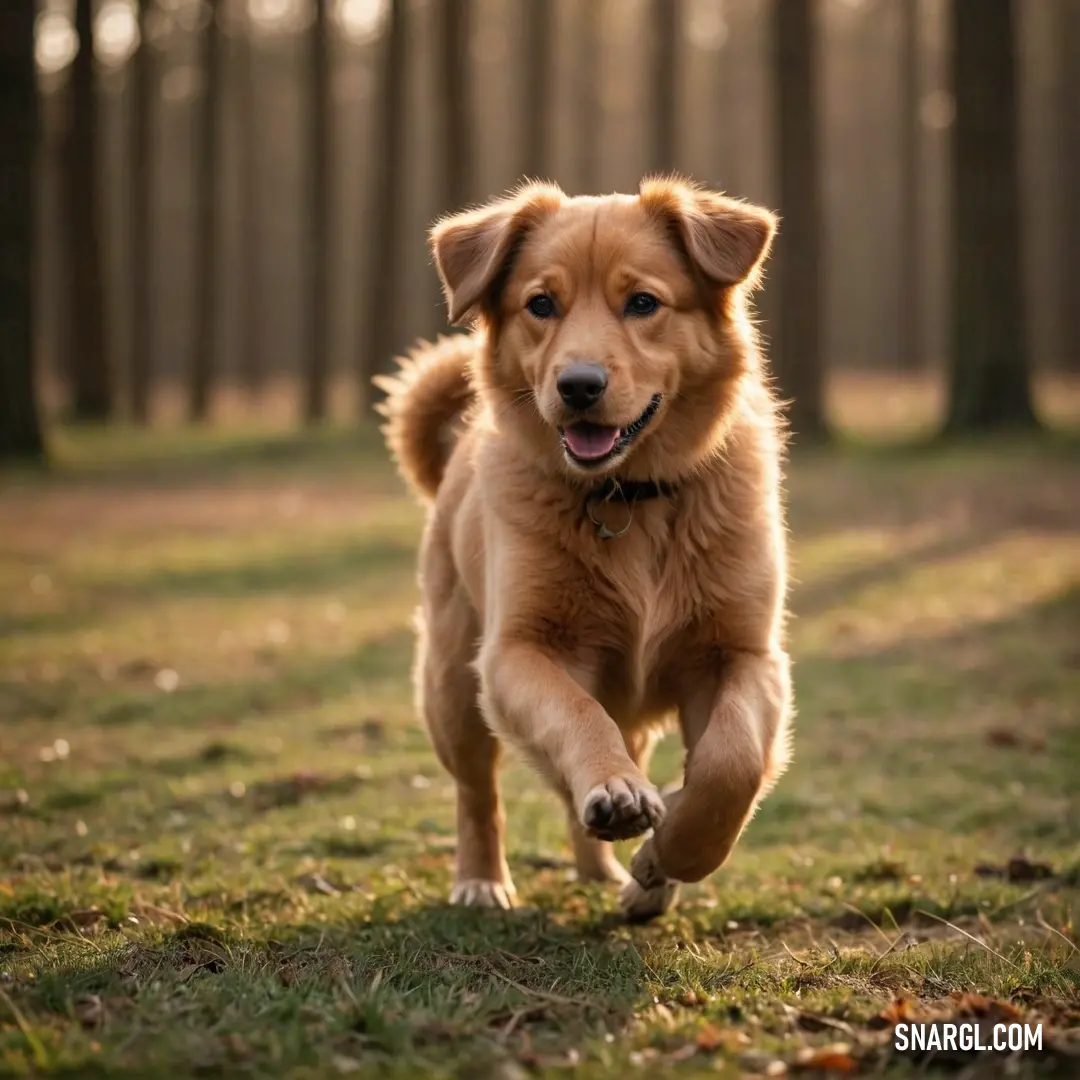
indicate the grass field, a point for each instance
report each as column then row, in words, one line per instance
column 225, row 844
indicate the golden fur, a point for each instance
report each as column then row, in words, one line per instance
column 536, row 631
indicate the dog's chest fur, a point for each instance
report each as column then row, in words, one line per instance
column 640, row 610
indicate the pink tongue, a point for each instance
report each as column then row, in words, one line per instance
column 590, row 440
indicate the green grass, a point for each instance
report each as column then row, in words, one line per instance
column 225, row 844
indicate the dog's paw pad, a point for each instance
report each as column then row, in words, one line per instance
column 640, row 905
column 621, row 808
column 479, row 893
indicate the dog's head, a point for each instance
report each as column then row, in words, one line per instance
column 616, row 326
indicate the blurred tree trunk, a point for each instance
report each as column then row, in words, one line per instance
column 454, row 126
column 142, row 188
column 455, row 117
column 537, row 32
column 663, row 128
column 380, row 323
column 252, row 370
column 1067, row 35
column 798, row 357
column 589, row 107
column 201, row 372
column 86, row 352
column 724, row 152
column 989, row 376
column 909, row 279
column 319, row 123
column 20, row 427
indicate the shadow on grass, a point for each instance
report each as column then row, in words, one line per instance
column 124, row 453
column 331, row 566
column 983, row 485
column 306, row 683
column 309, row 682
column 424, row 985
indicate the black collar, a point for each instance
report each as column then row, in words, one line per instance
column 630, row 491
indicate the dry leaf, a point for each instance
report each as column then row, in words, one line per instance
column 317, row 883
column 85, row 919
column 899, row 1011
column 684, row 1053
column 711, row 1038
column 90, row 1010
column 237, row 1047
column 984, row 1007
column 344, row 1064
column 835, row 1059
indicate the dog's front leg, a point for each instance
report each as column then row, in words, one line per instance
column 734, row 724
column 533, row 700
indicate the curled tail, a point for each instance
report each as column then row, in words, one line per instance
column 424, row 397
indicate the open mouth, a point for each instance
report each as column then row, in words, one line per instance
column 593, row 444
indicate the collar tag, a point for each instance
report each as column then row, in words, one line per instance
column 627, row 492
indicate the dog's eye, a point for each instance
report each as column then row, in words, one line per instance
column 641, row 304
column 541, row 306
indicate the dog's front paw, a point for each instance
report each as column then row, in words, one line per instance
column 622, row 807
column 488, row 894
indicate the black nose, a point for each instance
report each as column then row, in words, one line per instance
column 582, row 385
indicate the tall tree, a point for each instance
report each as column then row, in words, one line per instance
column 20, row 427
column 252, row 368
column 85, row 341
column 663, row 91
column 456, row 146
column 909, row 277
column 380, row 323
column 201, row 370
column 989, row 373
column 538, row 32
column 319, row 129
column 1067, row 35
column 455, row 120
column 142, row 188
column 588, row 104
column 725, row 101
column 797, row 353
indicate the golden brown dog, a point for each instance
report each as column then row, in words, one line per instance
column 605, row 544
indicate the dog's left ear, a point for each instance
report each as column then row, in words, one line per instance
column 728, row 240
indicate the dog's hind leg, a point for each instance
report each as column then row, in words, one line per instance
column 447, row 691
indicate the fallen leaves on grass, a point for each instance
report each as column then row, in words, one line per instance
column 1016, row 869
column 1009, row 738
column 881, row 870
column 826, row 1059
column 711, row 1039
column 898, row 1011
column 568, row 1060
column 12, row 802
column 90, row 1010
column 294, row 788
column 317, row 883
column 85, row 922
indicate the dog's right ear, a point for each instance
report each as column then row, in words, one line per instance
column 473, row 249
